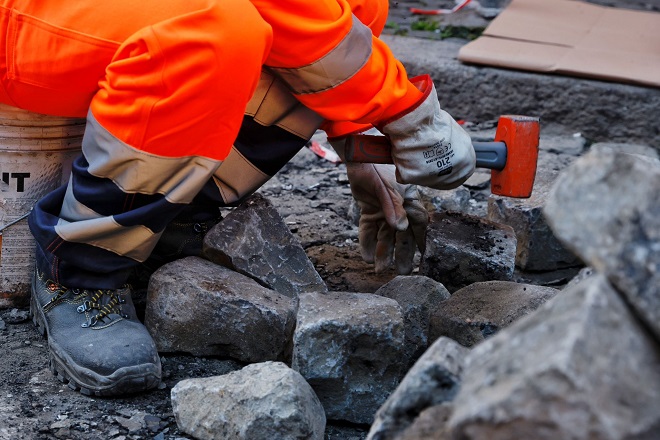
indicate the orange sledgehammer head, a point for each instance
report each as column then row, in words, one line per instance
column 520, row 134
column 512, row 157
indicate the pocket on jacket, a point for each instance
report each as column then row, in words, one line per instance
column 46, row 56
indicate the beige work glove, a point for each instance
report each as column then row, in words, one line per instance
column 393, row 220
column 429, row 148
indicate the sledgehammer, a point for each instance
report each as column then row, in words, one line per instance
column 511, row 157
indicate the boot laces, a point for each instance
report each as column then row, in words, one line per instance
column 57, row 291
column 106, row 301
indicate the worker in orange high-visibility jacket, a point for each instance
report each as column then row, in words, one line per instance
column 190, row 106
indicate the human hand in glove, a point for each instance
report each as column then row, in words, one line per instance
column 429, row 148
column 392, row 218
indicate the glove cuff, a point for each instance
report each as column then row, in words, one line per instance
column 428, row 147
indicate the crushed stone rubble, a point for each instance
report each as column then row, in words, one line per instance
column 409, row 356
column 364, row 355
column 525, row 318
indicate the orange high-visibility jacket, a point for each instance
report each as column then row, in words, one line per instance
column 328, row 54
column 173, row 77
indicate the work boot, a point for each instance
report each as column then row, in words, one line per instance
column 97, row 345
column 183, row 237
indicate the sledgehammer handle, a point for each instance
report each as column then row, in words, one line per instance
column 491, row 155
column 377, row 149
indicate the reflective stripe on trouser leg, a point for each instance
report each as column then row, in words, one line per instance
column 167, row 112
column 275, row 127
column 258, row 154
column 109, row 217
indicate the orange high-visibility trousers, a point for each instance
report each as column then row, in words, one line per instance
column 165, row 81
column 163, row 84
column 170, row 78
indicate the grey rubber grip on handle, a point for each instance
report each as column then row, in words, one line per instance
column 491, row 155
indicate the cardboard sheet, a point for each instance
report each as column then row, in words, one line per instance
column 574, row 38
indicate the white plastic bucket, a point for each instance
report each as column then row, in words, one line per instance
column 36, row 153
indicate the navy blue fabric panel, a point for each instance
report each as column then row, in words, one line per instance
column 269, row 148
column 209, row 195
column 44, row 216
column 105, row 271
column 154, row 216
column 73, row 264
column 104, row 197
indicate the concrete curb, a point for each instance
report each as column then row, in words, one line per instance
column 600, row 110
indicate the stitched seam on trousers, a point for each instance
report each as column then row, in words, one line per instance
column 58, row 242
column 54, row 270
column 50, row 246
column 222, row 194
column 129, row 199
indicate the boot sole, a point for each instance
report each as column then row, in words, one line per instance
column 128, row 380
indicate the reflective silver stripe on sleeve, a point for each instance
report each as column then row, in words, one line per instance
column 273, row 104
column 179, row 179
column 337, row 66
column 238, row 177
